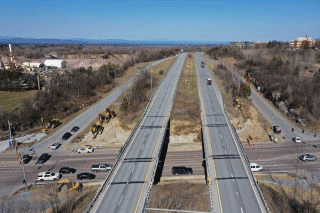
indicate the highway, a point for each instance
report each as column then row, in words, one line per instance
column 85, row 118
column 11, row 175
column 131, row 179
column 231, row 183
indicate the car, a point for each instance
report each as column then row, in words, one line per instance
column 307, row 157
column 181, row 170
column 276, row 129
column 43, row 158
column 296, row 139
column 85, row 149
column 209, row 81
column 101, row 167
column 74, row 129
column 55, row 146
column 42, row 176
column 85, row 175
column 67, row 170
column 255, row 167
column 66, row 136
column 25, row 159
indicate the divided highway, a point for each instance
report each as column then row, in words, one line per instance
column 127, row 187
column 231, row 183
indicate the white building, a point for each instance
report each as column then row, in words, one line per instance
column 58, row 63
column 31, row 64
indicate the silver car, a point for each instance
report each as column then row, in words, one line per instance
column 307, row 157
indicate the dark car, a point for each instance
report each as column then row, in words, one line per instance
column 67, row 170
column 26, row 159
column 181, row 170
column 74, row 129
column 307, row 157
column 85, row 175
column 66, row 136
column 43, row 158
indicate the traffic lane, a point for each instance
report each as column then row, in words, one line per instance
column 12, row 175
column 129, row 175
column 231, row 168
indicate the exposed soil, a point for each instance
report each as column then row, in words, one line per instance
column 180, row 195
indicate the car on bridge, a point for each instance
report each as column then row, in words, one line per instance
column 182, row 170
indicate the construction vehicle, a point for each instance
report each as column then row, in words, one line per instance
column 12, row 62
column 110, row 114
column 237, row 104
column 69, row 185
column 96, row 129
column 49, row 124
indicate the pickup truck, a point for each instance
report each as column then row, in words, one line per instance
column 101, row 167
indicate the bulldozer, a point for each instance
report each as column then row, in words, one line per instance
column 69, row 185
column 96, row 129
column 49, row 124
column 110, row 114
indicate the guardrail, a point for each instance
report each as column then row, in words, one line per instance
column 124, row 147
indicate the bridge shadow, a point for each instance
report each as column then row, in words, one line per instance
column 230, row 156
column 162, row 155
column 231, row 178
column 128, row 182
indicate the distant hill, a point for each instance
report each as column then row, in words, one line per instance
column 156, row 42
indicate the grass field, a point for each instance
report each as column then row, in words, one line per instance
column 10, row 101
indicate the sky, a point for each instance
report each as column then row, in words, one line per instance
column 214, row 20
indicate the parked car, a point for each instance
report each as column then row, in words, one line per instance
column 74, row 129
column 85, row 149
column 48, row 176
column 101, row 167
column 55, row 146
column 181, row 170
column 66, row 136
column 255, row 167
column 307, row 157
column 85, row 175
column 209, row 81
column 67, row 170
column 296, row 139
column 43, row 158
column 26, row 159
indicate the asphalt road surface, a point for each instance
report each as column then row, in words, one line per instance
column 129, row 185
column 230, row 174
column 84, row 119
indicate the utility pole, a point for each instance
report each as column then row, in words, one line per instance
column 38, row 78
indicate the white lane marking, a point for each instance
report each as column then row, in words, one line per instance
column 241, row 210
column 120, row 200
column 220, row 136
column 237, row 193
column 133, row 169
column 142, row 147
column 225, row 151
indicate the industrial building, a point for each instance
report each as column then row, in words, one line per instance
column 55, row 63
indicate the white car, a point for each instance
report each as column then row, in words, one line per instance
column 55, row 146
column 48, row 176
column 85, row 150
column 255, row 167
column 297, row 139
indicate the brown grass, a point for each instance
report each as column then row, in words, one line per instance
column 180, row 196
column 186, row 106
column 9, row 101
